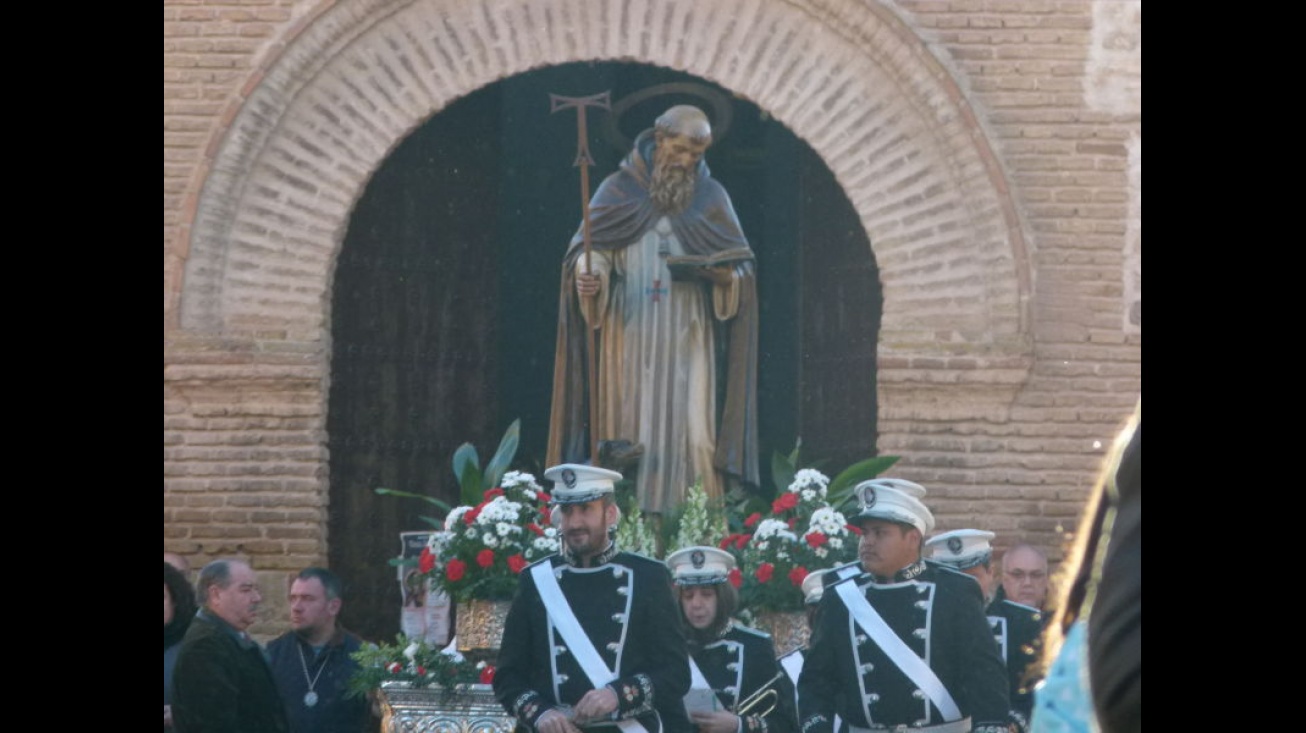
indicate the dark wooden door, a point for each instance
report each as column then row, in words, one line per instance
column 415, row 347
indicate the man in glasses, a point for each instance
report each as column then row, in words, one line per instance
column 1018, row 611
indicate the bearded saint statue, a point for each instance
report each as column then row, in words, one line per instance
column 669, row 287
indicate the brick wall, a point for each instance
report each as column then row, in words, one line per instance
column 991, row 148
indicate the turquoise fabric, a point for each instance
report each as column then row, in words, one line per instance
column 1062, row 701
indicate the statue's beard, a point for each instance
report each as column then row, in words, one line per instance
column 671, row 188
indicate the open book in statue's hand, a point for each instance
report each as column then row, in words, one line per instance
column 685, row 267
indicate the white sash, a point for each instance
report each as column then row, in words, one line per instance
column 696, row 678
column 564, row 620
column 898, row 652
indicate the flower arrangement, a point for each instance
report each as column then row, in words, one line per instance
column 415, row 663
column 802, row 534
column 481, row 549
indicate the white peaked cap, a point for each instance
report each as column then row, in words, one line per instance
column 895, row 500
column 700, row 565
column 577, row 483
column 960, row 548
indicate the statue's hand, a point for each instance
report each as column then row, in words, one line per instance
column 588, row 285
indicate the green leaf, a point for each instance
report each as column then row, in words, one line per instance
column 428, row 499
column 465, row 458
column 473, row 490
column 498, row 465
column 841, row 486
column 783, row 469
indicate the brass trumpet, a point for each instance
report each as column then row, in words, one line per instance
column 764, row 695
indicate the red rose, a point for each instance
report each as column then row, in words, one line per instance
column 472, row 514
column 491, row 493
column 797, row 575
column 516, row 563
column 742, row 541
column 421, row 669
column 454, row 569
column 727, row 541
column 485, row 558
column 535, row 528
column 787, row 500
column 546, row 515
column 764, row 572
column 753, row 518
column 544, row 497
column 816, row 539
column 395, row 668
column 735, row 577
column 426, row 563
column 487, row 675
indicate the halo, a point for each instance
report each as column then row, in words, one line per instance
column 719, row 112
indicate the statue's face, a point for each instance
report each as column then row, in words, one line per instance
column 678, row 152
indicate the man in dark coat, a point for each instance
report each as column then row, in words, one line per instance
column 670, row 279
column 222, row 683
column 905, row 643
column 312, row 664
column 591, row 637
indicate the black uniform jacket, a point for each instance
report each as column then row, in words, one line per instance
column 1018, row 628
column 739, row 664
column 939, row 614
column 625, row 606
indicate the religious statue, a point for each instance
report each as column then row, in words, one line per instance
column 670, row 289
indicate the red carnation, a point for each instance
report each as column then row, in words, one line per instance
column 395, row 668
column 533, row 527
column 472, row 514
column 516, row 563
column 454, row 569
column 426, row 563
column 797, row 575
column 764, row 572
column 544, row 496
column 743, row 540
column 753, row 518
column 487, row 675
column 787, row 500
column 421, row 669
column 485, row 558
column 491, row 493
column 735, row 577
column 854, row 529
column 546, row 514
column 727, row 541
column 816, row 539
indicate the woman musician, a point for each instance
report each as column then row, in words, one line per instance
column 752, row 693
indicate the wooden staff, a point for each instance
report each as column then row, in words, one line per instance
column 584, row 161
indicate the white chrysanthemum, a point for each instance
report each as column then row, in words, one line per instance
column 504, row 529
column 769, row 528
column 836, row 543
column 551, row 532
column 828, row 522
column 472, row 533
column 499, row 510
column 808, row 494
column 810, row 478
column 519, row 479
column 455, row 517
column 489, row 540
column 821, row 552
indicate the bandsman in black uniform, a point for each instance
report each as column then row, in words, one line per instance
column 905, row 645
column 591, row 639
column 1016, row 627
column 735, row 662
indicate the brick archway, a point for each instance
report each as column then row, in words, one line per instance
column 863, row 90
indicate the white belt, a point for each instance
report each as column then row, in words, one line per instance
column 956, row 726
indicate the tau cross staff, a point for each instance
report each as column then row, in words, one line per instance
column 584, row 161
